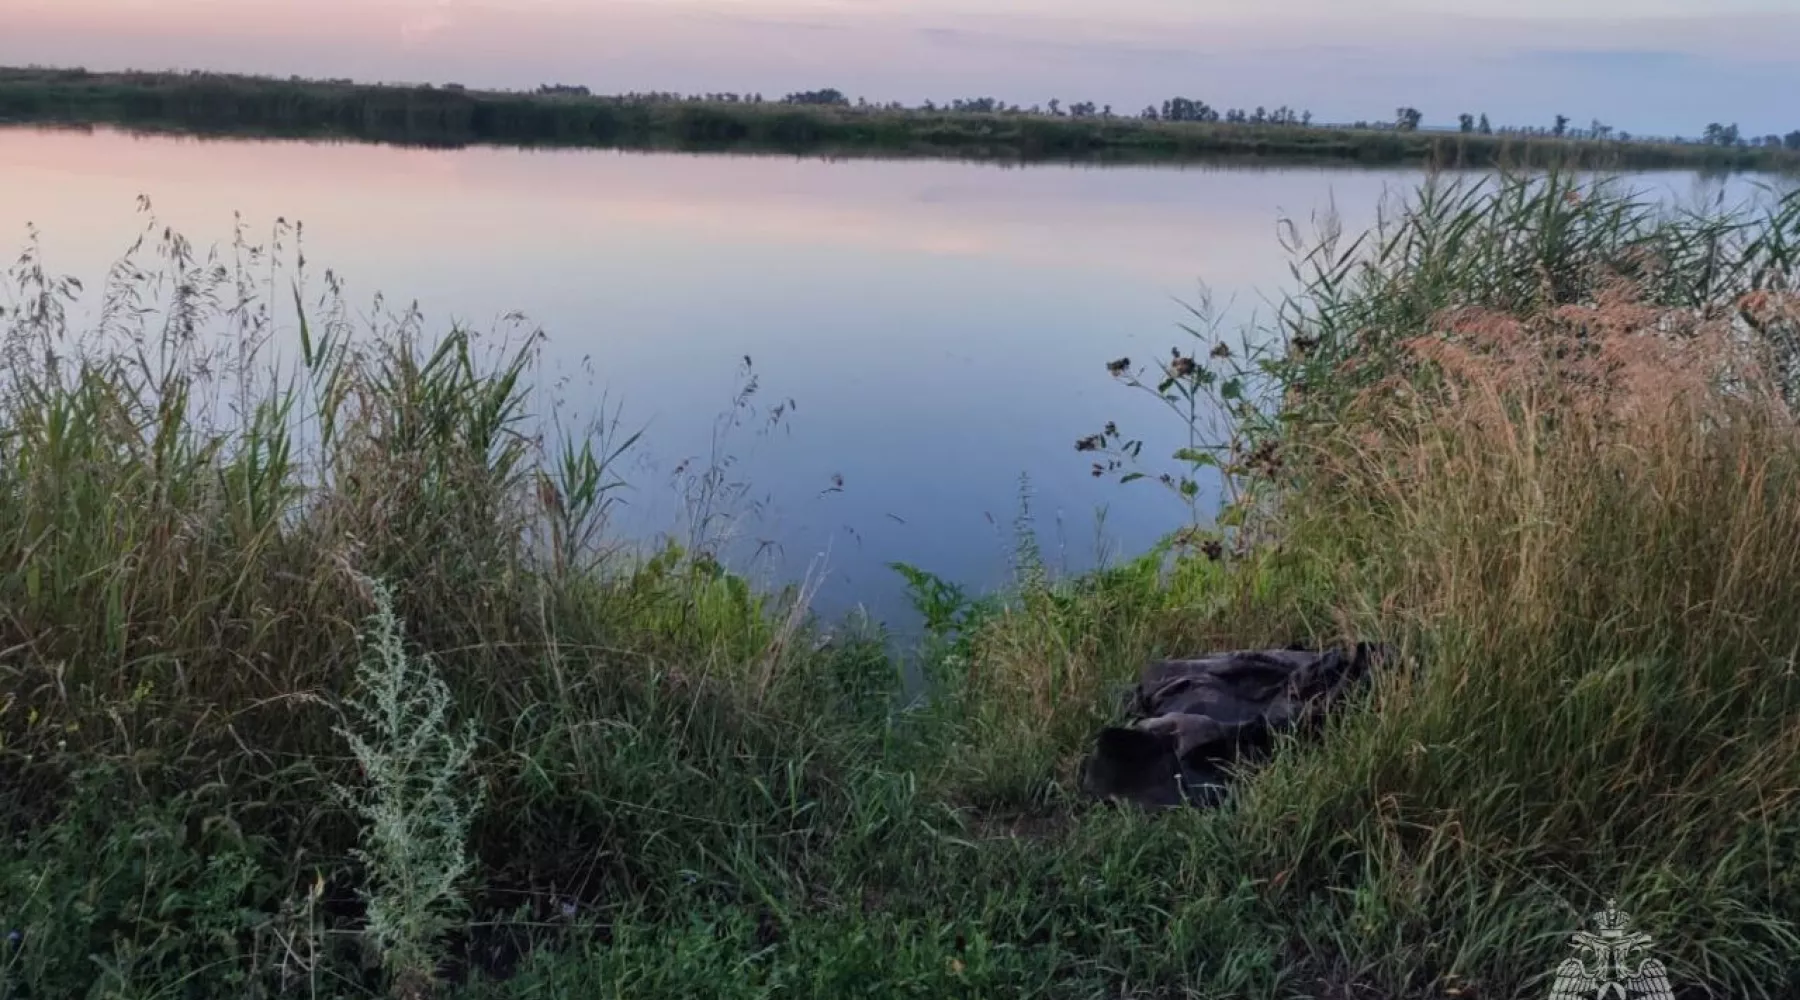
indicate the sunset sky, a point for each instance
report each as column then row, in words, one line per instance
column 1650, row 66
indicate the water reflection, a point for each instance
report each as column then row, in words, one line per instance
column 942, row 327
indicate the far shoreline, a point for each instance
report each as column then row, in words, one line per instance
column 230, row 106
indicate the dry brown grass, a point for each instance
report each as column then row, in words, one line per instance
column 1555, row 431
column 1584, row 524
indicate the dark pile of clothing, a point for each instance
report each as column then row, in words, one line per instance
column 1196, row 720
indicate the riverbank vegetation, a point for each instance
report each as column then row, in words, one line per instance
column 826, row 122
column 324, row 677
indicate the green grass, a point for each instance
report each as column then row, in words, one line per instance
column 234, row 105
column 681, row 789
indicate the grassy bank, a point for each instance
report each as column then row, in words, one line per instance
column 324, row 680
column 218, row 104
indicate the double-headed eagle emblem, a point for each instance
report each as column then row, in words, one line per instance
column 1610, row 962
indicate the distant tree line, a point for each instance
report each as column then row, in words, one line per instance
column 1189, row 109
column 1180, row 109
column 1727, row 135
column 557, row 113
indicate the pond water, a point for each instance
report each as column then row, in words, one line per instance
column 941, row 328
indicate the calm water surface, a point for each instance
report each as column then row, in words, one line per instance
column 942, row 328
